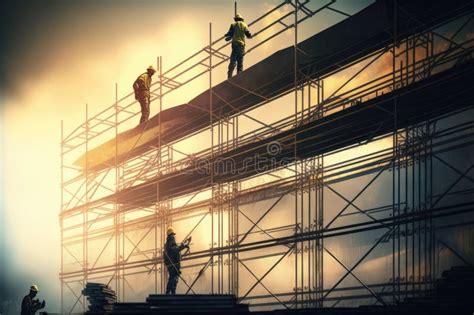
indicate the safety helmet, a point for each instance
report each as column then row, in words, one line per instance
column 170, row 231
column 34, row 288
column 238, row 17
column 150, row 68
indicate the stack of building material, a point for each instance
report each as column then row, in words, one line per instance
column 101, row 298
column 180, row 303
column 452, row 293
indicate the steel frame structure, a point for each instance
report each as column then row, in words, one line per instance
column 408, row 224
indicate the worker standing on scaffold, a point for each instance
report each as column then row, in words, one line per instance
column 237, row 33
column 172, row 259
column 141, row 88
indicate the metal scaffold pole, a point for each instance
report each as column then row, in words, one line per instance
column 297, row 179
column 159, row 166
column 116, row 204
column 86, row 209
column 395, row 163
column 61, row 220
column 211, row 205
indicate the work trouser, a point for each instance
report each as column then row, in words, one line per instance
column 173, row 277
column 144, row 101
column 236, row 57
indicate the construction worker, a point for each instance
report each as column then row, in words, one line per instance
column 237, row 33
column 141, row 88
column 172, row 259
column 29, row 305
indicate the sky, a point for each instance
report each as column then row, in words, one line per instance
column 58, row 56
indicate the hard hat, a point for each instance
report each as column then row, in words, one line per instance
column 170, row 231
column 34, row 288
column 150, row 68
column 238, row 17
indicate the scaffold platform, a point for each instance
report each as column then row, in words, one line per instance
column 325, row 52
column 440, row 94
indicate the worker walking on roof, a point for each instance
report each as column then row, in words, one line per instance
column 237, row 33
column 172, row 259
column 141, row 87
column 30, row 305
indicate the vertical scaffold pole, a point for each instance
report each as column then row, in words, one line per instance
column 394, row 153
column 405, row 80
column 157, row 202
column 429, row 53
column 212, row 156
column 116, row 206
column 295, row 69
column 62, row 219
column 320, row 222
column 86, row 208
column 163, row 215
column 296, row 61
column 233, row 215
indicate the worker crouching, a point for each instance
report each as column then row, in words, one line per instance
column 237, row 33
column 172, row 259
column 141, row 88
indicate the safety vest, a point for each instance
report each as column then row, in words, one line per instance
column 239, row 28
column 142, row 83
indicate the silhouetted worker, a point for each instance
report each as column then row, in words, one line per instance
column 141, row 87
column 237, row 33
column 29, row 305
column 172, row 259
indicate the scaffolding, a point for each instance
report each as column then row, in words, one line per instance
column 113, row 220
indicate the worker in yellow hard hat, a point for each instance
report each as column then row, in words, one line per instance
column 237, row 33
column 29, row 305
column 141, row 88
column 172, row 259
column 170, row 231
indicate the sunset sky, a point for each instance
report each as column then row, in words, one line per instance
column 59, row 55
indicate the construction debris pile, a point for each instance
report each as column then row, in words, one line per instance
column 101, row 298
column 180, row 303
